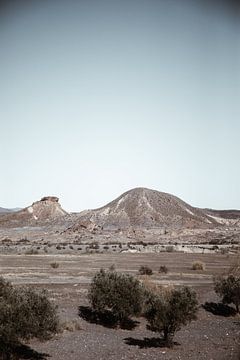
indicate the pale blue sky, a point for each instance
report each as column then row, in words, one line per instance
column 97, row 97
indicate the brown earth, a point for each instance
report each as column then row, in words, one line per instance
column 143, row 208
column 139, row 215
column 211, row 336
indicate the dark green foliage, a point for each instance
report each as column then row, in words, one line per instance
column 229, row 289
column 120, row 293
column 168, row 311
column 24, row 314
column 145, row 270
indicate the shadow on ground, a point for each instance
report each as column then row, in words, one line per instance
column 105, row 318
column 23, row 352
column 219, row 309
column 148, row 342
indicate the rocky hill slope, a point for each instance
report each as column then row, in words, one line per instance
column 143, row 208
column 46, row 210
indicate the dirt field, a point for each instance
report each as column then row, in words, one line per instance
column 212, row 336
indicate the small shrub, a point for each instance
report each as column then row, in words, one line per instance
column 229, row 289
column 198, row 265
column 169, row 248
column 72, row 325
column 24, row 240
column 24, row 314
column 112, row 267
column 168, row 311
column 145, row 270
column 54, row 265
column 120, row 293
column 94, row 245
column 31, row 252
column 224, row 251
column 163, row 269
column 6, row 241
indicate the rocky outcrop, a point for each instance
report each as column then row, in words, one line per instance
column 50, row 198
column 40, row 212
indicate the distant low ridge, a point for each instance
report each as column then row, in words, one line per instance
column 4, row 210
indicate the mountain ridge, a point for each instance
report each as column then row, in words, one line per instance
column 145, row 208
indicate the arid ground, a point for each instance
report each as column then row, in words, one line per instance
column 214, row 335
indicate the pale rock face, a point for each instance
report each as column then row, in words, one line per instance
column 45, row 210
column 189, row 211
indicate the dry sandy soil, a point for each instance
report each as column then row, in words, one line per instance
column 212, row 336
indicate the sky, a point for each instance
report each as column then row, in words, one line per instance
column 98, row 97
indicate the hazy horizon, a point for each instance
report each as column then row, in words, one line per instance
column 98, row 98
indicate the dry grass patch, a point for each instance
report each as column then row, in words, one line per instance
column 70, row 325
column 198, row 265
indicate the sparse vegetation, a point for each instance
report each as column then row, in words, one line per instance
column 163, row 269
column 112, row 267
column 54, row 265
column 198, row 265
column 145, row 270
column 24, row 240
column 94, row 245
column 31, row 252
column 169, row 248
column 228, row 288
column 6, row 241
column 120, row 293
column 24, row 314
column 71, row 325
column 224, row 251
column 169, row 310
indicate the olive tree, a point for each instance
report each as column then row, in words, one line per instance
column 24, row 314
column 168, row 311
column 229, row 289
column 121, row 293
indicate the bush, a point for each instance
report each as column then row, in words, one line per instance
column 145, row 270
column 54, row 265
column 31, row 252
column 24, row 314
column 229, row 289
column 71, row 325
column 112, row 267
column 168, row 311
column 120, row 293
column 198, row 265
column 163, row 269
column 169, row 248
